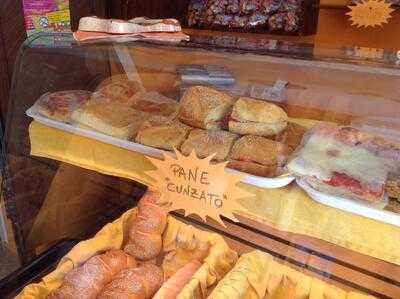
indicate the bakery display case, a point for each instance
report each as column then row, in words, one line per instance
column 312, row 132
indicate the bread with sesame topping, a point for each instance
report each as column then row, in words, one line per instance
column 206, row 143
column 257, row 117
column 392, row 188
column 259, row 156
column 163, row 134
column 205, row 108
column 292, row 135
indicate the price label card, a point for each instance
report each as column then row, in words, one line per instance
column 370, row 53
column 197, row 186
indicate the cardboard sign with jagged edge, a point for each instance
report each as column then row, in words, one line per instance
column 370, row 13
column 197, row 186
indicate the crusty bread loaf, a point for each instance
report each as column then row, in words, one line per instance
column 144, row 233
column 249, row 109
column 163, row 135
column 257, row 129
column 260, row 150
column 186, row 251
column 155, row 103
column 61, row 104
column 174, row 285
column 121, row 91
column 259, row 156
column 110, row 118
column 134, row 283
column 145, row 245
column 205, row 108
column 257, row 117
column 209, row 142
column 292, row 135
column 88, row 280
column 393, row 206
column 392, row 188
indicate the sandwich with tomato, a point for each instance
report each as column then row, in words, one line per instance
column 346, row 162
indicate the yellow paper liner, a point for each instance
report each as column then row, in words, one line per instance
column 257, row 275
column 287, row 209
column 219, row 261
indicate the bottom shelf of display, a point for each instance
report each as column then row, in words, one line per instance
column 330, row 264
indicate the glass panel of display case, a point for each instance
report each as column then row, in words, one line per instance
column 314, row 132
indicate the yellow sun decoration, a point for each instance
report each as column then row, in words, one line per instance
column 370, row 13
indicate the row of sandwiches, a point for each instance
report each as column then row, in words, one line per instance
column 255, row 136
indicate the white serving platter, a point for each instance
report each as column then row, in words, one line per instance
column 373, row 211
column 262, row 182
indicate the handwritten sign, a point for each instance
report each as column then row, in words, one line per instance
column 197, row 186
column 370, row 13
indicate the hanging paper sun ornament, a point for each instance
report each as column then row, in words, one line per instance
column 370, row 13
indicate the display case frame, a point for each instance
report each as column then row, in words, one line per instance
column 342, row 266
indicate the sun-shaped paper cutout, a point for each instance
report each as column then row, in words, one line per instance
column 197, row 186
column 370, row 13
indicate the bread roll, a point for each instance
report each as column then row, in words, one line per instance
column 205, row 108
column 393, row 206
column 144, row 240
column 292, row 135
column 87, row 281
column 155, row 103
column 393, row 188
column 151, row 197
column 209, row 142
column 134, row 283
column 163, row 135
column 151, row 218
column 110, row 118
column 259, row 156
column 60, row 105
column 120, row 91
column 257, row 117
column 185, row 253
column 174, row 285
column 144, row 246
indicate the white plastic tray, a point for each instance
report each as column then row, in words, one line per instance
column 373, row 211
column 262, row 182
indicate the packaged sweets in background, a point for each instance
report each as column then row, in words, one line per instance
column 295, row 17
column 46, row 16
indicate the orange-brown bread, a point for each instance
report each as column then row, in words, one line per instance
column 88, row 280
